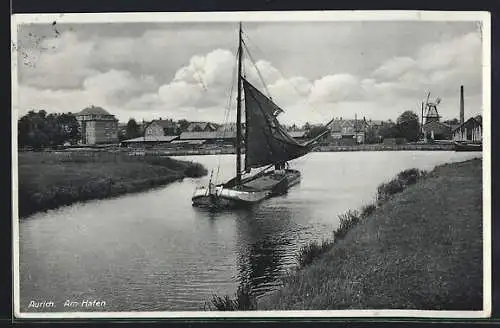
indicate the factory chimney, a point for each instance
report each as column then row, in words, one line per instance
column 461, row 104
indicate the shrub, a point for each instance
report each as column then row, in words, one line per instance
column 410, row 176
column 308, row 253
column 195, row 170
column 399, row 183
column 347, row 220
column 385, row 190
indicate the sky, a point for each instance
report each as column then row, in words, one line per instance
column 313, row 70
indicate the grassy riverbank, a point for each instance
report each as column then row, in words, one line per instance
column 51, row 179
column 419, row 248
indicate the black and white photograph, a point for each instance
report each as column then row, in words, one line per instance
column 251, row 164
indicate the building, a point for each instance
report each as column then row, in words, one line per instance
column 158, row 128
column 435, row 130
column 348, row 132
column 470, row 130
column 97, row 126
column 210, row 137
column 299, row 135
column 201, row 127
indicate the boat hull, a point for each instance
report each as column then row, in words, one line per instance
column 250, row 192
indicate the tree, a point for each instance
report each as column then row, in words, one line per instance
column 132, row 131
column 409, row 126
column 70, row 129
column 39, row 129
column 371, row 136
column 183, row 125
column 454, row 121
column 389, row 130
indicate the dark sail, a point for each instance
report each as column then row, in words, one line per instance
column 267, row 142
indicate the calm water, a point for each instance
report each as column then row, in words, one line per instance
column 153, row 252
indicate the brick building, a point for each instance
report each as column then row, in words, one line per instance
column 97, row 126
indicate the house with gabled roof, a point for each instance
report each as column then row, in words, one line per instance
column 158, row 128
column 470, row 130
column 348, row 131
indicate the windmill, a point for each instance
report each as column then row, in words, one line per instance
column 430, row 109
column 429, row 114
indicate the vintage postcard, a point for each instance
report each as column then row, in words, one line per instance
column 256, row 164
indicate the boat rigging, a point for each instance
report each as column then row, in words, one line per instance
column 267, row 145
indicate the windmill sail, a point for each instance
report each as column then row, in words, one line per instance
column 267, row 142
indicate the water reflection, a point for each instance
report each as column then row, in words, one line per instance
column 263, row 246
column 153, row 251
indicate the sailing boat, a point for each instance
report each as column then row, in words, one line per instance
column 268, row 147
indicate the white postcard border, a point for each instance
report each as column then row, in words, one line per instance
column 278, row 16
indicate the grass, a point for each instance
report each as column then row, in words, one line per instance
column 421, row 248
column 47, row 180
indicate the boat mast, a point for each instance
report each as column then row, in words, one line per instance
column 238, row 114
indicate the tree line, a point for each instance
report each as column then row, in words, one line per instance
column 39, row 130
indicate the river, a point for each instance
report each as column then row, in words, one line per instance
column 153, row 251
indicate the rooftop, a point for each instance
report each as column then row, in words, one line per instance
column 337, row 125
column 297, row 134
column 478, row 120
column 202, row 126
column 152, row 139
column 95, row 110
column 207, row 135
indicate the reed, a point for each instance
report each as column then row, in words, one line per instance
column 368, row 210
column 311, row 251
column 347, row 220
column 244, row 300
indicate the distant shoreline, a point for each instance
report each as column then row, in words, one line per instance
column 231, row 151
column 225, row 150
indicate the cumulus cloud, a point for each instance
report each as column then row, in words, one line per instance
column 394, row 68
column 441, row 67
column 117, row 87
column 335, row 88
column 189, row 75
column 58, row 63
